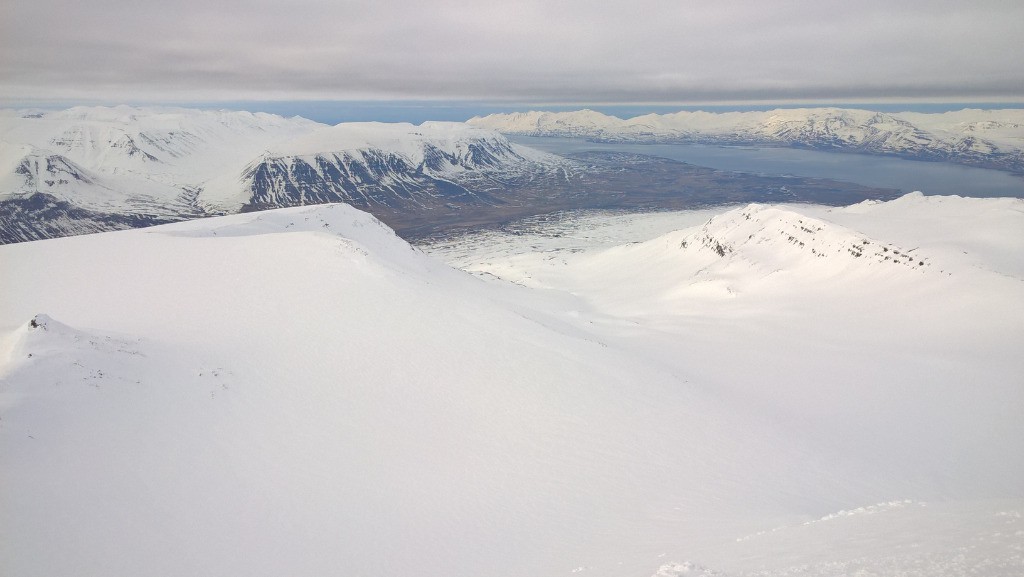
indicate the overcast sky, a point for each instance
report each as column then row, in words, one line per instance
column 523, row 50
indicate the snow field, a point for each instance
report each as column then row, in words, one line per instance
column 299, row 391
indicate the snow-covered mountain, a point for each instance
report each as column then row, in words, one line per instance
column 176, row 146
column 113, row 168
column 299, row 391
column 91, row 169
column 985, row 138
column 374, row 165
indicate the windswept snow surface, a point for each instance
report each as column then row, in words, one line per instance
column 300, row 392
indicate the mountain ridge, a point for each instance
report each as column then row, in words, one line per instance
column 105, row 168
column 986, row 139
column 90, row 169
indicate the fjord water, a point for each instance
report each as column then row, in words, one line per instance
column 933, row 178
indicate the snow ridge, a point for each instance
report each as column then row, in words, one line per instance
column 777, row 239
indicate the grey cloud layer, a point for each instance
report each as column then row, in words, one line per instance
column 645, row 50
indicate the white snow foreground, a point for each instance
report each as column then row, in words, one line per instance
column 300, row 392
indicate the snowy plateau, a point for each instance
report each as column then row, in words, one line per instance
column 982, row 138
column 753, row 390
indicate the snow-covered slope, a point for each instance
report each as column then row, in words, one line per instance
column 751, row 249
column 910, row 363
column 987, row 138
column 298, row 391
column 754, row 248
column 919, row 220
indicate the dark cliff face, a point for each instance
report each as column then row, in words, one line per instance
column 40, row 216
column 45, row 205
column 481, row 154
column 365, row 180
column 42, row 171
column 370, row 179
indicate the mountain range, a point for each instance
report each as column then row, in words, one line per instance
column 981, row 138
column 86, row 170
column 89, row 169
